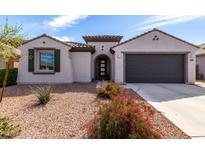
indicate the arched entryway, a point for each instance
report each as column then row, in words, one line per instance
column 102, row 67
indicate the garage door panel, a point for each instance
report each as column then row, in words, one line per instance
column 155, row 68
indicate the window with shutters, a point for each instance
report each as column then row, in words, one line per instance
column 45, row 62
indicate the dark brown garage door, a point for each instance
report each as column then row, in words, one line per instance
column 154, row 68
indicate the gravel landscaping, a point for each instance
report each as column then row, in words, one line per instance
column 71, row 107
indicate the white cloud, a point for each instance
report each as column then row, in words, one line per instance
column 64, row 21
column 64, row 38
column 158, row 21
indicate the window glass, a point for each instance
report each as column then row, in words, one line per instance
column 102, row 61
column 46, row 61
column 102, row 65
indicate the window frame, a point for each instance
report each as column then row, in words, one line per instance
column 38, row 59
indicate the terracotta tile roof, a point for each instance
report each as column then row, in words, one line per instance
column 201, row 50
column 152, row 31
column 79, row 45
column 102, row 38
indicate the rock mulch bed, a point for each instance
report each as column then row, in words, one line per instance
column 161, row 123
column 72, row 106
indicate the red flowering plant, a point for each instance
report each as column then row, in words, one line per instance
column 123, row 118
column 105, row 91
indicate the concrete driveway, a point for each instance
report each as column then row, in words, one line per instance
column 183, row 104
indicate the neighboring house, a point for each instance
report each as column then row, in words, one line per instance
column 12, row 64
column 200, row 61
column 153, row 57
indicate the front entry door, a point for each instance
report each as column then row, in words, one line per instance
column 102, row 68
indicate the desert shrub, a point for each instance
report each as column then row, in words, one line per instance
column 7, row 128
column 43, row 94
column 11, row 77
column 109, row 90
column 123, row 118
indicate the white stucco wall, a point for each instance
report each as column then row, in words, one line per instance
column 99, row 51
column 200, row 61
column 81, row 62
column 146, row 44
column 66, row 72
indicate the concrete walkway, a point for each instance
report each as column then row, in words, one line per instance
column 183, row 104
column 100, row 83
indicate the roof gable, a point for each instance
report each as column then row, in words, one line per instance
column 50, row 37
column 75, row 46
column 139, row 36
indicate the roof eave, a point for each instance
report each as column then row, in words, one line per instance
column 101, row 39
column 78, row 49
column 201, row 54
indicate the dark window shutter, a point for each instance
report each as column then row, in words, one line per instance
column 57, row 60
column 31, row 60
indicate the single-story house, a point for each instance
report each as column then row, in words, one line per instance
column 200, row 62
column 152, row 57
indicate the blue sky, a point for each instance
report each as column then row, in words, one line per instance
column 73, row 27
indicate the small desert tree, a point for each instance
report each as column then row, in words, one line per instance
column 11, row 37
